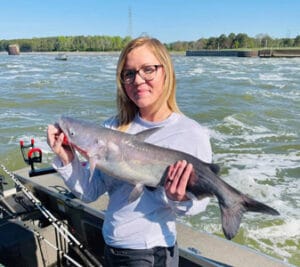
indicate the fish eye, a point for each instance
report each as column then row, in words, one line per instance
column 72, row 132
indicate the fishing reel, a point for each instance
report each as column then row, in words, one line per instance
column 32, row 155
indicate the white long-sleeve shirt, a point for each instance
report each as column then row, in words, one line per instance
column 148, row 221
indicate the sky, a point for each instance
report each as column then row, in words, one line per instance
column 167, row 20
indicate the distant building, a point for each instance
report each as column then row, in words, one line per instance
column 13, row 49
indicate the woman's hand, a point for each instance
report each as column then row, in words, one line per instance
column 177, row 180
column 55, row 139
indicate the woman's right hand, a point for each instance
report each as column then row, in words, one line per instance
column 177, row 180
column 55, row 139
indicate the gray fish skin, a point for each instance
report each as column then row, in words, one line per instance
column 129, row 158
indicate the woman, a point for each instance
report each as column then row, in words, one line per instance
column 142, row 233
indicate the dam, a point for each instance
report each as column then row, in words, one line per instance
column 263, row 53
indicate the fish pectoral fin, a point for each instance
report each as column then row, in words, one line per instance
column 92, row 168
column 136, row 192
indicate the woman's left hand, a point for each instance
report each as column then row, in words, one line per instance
column 177, row 180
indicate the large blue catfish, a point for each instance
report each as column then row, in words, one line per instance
column 129, row 158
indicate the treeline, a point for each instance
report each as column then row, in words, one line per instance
column 68, row 43
column 236, row 41
column 116, row 43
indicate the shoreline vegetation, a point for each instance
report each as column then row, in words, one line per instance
column 79, row 53
column 97, row 44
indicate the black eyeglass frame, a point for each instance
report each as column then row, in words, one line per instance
column 135, row 72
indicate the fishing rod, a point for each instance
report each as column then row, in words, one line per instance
column 71, row 240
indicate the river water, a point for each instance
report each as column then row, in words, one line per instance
column 250, row 105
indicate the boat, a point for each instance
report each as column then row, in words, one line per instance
column 61, row 57
column 43, row 224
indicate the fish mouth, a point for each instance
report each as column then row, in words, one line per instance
column 67, row 140
column 81, row 151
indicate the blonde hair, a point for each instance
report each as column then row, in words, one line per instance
column 127, row 108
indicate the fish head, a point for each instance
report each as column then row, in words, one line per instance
column 81, row 135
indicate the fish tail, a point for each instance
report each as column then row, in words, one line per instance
column 232, row 216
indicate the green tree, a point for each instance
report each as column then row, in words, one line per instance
column 231, row 40
column 212, row 43
column 287, row 42
column 297, row 41
column 222, row 41
column 242, row 40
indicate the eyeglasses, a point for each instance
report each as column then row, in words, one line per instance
column 147, row 73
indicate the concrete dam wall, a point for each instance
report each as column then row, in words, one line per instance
column 265, row 53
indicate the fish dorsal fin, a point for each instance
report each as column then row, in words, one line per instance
column 143, row 135
column 214, row 168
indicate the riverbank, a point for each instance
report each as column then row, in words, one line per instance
column 264, row 53
column 77, row 53
column 84, row 53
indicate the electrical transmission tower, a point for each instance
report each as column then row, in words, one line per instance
column 129, row 22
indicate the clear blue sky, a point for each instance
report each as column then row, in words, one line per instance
column 167, row 20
